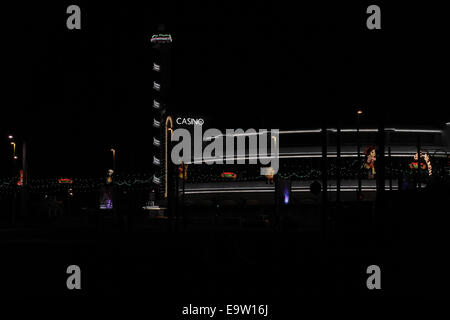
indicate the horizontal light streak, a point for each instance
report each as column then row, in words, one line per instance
column 305, row 155
column 295, row 189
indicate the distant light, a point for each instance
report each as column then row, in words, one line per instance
column 156, row 104
column 10, row 137
column 301, row 131
column 156, row 67
column 156, row 161
column 286, row 198
column 414, row 130
column 156, row 123
column 65, row 180
column 156, row 86
column 359, row 112
column 15, row 157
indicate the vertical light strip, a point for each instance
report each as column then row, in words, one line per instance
column 168, row 119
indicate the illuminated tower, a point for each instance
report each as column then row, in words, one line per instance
column 161, row 43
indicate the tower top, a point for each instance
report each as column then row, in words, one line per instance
column 161, row 38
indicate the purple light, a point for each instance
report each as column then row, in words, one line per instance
column 286, row 197
column 107, row 204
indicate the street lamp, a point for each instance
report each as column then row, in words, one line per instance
column 14, row 149
column 114, row 158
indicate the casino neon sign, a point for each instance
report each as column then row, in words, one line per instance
column 190, row 121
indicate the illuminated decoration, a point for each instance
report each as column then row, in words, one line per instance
column 109, row 178
column 369, row 161
column 161, row 38
column 156, row 67
column 65, row 181
column 423, row 165
column 156, row 142
column 269, row 175
column 20, row 182
column 428, row 162
column 182, row 171
column 156, row 180
column 156, row 161
column 156, row 123
column 106, row 198
column 156, row 104
column 156, row 86
column 231, row 175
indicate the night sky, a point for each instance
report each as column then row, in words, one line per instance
column 73, row 94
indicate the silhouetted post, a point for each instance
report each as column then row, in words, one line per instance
column 358, row 153
column 324, row 215
column 14, row 196
column 183, row 212
column 390, row 168
column 418, row 163
column 23, row 191
column 380, row 172
column 380, row 169
column 276, row 215
column 338, row 163
column 24, row 163
column 170, row 195
column 176, row 200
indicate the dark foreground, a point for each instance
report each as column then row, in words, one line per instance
column 406, row 236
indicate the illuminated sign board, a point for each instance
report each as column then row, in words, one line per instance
column 161, row 38
column 231, row 175
column 190, row 121
column 64, row 180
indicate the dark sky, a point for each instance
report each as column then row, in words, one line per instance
column 74, row 94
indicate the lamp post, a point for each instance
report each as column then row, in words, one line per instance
column 14, row 149
column 114, row 158
column 14, row 198
column 358, row 151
